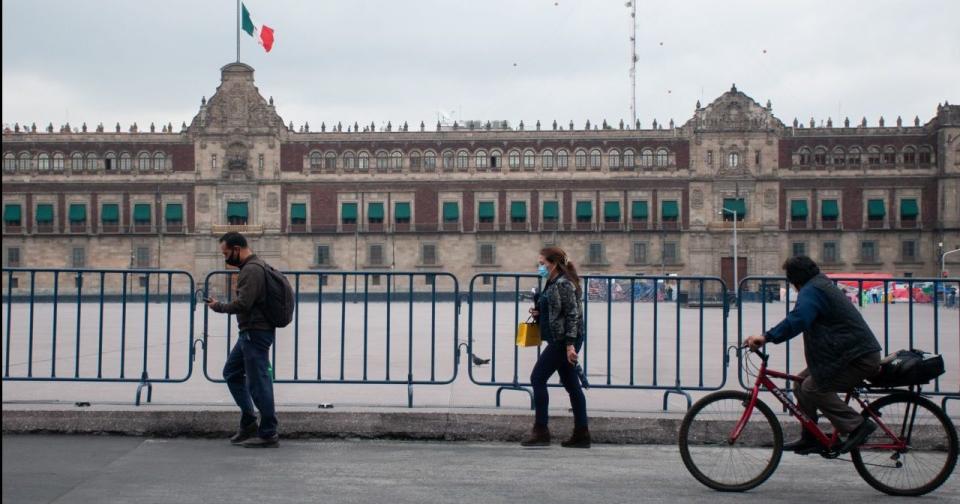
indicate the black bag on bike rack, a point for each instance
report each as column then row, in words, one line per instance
column 908, row 367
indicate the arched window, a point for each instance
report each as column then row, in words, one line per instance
column 363, row 161
column 496, row 159
column 430, row 161
column 9, row 163
column 926, row 155
column 349, row 161
column 448, row 160
column 126, row 161
column 646, row 157
column 315, row 161
column 43, row 162
column 529, row 159
column 382, row 161
column 820, row 156
column 595, row 159
column 839, row 156
column 663, row 156
column 804, row 156
column 57, row 162
column 76, row 161
column 415, row 161
column 613, row 159
column 480, row 159
column 580, row 159
column 853, row 156
column 330, row 161
column 396, row 160
column 159, row 162
column 546, row 159
column 733, row 159
column 628, row 160
column 463, row 160
column 889, row 155
column 909, row 156
column 93, row 163
column 514, row 159
column 143, row 161
column 23, row 164
column 873, row 155
column 110, row 162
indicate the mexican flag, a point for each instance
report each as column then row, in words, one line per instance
column 263, row 34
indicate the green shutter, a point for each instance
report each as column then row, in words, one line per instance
column 78, row 213
column 11, row 214
column 375, row 211
column 348, row 211
column 141, row 212
column 402, row 210
column 829, row 209
column 669, row 210
column 736, row 205
column 518, row 209
column 174, row 212
column 611, row 210
column 909, row 209
column 298, row 211
column 551, row 210
column 584, row 210
column 875, row 209
column 451, row 211
column 45, row 214
column 237, row 209
column 486, row 210
column 639, row 210
column 110, row 214
column 798, row 209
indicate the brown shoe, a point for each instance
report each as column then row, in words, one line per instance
column 539, row 436
column 579, row 439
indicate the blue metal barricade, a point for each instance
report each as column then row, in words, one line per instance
column 626, row 318
column 101, row 324
column 383, row 328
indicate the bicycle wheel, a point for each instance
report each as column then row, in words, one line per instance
column 710, row 456
column 931, row 451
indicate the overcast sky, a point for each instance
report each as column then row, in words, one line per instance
column 366, row 60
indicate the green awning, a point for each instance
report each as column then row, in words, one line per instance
column 375, row 211
column 736, row 205
column 141, row 212
column 402, row 210
column 45, row 214
column 237, row 209
column 348, row 211
column 909, row 209
column 110, row 214
column 798, row 209
column 518, row 209
column 551, row 210
column 486, row 210
column 78, row 212
column 829, row 209
column 611, row 210
column 584, row 210
column 451, row 211
column 174, row 212
column 639, row 210
column 669, row 209
column 298, row 211
column 11, row 213
column 875, row 209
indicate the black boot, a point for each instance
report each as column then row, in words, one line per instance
column 244, row 433
column 579, row 439
column 804, row 445
column 539, row 436
column 858, row 436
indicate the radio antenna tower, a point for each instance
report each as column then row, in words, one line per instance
column 632, row 4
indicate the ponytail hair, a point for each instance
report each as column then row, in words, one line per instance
column 558, row 256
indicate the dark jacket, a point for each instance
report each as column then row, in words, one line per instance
column 834, row 332
column 247, row 306
column 560, row 308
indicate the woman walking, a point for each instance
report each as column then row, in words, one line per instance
column 559, row 314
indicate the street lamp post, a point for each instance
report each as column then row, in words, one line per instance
column 736, row 279
column 943, row 261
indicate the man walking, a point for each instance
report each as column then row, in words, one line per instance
column 246, row 370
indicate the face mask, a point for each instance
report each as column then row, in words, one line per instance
column 234, row 259
column 543, row 271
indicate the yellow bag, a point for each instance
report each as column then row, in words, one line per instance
column 528, row 334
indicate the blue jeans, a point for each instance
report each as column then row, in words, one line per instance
column 553, row 359
column 249, row 379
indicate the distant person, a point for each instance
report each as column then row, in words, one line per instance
column 840, row 349
column 246, row 370
column 558, row 312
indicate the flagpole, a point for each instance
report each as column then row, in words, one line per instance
column 238, row 31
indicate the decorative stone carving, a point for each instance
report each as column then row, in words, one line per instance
column 696, row 199
column 273, row 202
column 734, row 111
column 770, row 198
column 203, row 203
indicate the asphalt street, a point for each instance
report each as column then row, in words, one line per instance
column 113, row 469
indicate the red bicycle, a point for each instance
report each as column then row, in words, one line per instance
column 728, row 448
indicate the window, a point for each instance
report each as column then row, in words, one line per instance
column 581, row 159
column 480, row 159
column 584, row 211
column 330, row 161
column 909, row 156
column 873, row 156
column 58, row 162
column 909, row 209
column 889, row 156
column 12, row 215
column 868, row 251
column 160, row 162
column 76, row 162
column 876, row 211
column 595, row 159
column 486, row 254
column 401, row 212
column 733, row 159
column 348, row 213
column 363, row 161
column 908, row 250
column 595, row 253
column 803, row 157
column 44, row 214
column 92, row 162
column 143, row 161
column 375, row 255
column 451, row 212
column 756, row 158
column 143, row 257
column 428, row 254
column 662, row 157
column 669, row 211
column 495, row 161
column 514, row 160
column 628, row 159
column 322, row 258
column 613, row 159
column 518, row 211
column 799, row 249
column 9, row 163
column 562, row 161
column 546, row 160
column 110, row 162
column 382, row 161
column 110, row 214
column 486, row 212
column 925, row 156
column 77, row 214
column 447, row 160
column 298, row 214
column 396, row 161
column 315, row 161
column 375, row 213
column 830, row 255
column 529, row 159
column 639, row 211
column 349, row 162
column 79, row 257
column 639, row 255
column 13, row 257
column 611, row 211
column 24, row 163
column 798, row 211
column 646, row 157
column 669, row 252
column 734, row 207
column 213, row 161
column 430, row 161
column 820, row 156
column 415, row 161
column 43, row 162
column 463, row 160
column 839, row 157
column 173, row 214
column 551, row 211
column 853, row 156
column 829, row 210
column 237, row 213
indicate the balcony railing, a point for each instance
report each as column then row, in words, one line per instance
column 875, row 224
column 239, row 228
column 830, row 224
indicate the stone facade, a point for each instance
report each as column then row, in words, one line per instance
column 474, row 198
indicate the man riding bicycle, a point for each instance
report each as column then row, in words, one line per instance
column 840, row 349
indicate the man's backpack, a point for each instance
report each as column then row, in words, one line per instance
column 908, row 367
column 278, row 300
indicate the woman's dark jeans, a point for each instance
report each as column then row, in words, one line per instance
column 249, row 381
column 554, row 359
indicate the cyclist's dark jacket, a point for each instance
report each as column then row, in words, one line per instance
column 834, row 332
column 560, row 311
